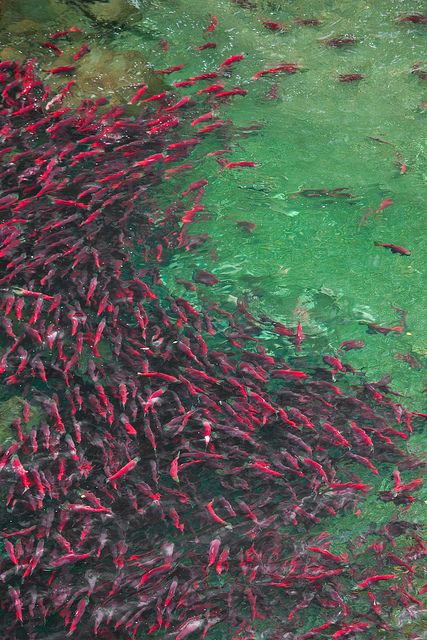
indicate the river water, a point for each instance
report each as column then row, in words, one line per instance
column 327, row 154
column 309, row 257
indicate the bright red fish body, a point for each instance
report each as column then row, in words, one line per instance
column 231, row 60
column 394, row 248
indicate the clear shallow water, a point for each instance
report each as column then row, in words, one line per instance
column 307, row 258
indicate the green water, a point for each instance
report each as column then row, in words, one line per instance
column 308, row 259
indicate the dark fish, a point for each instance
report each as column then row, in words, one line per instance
column 245, row 4
column 206, row 45
column 204, row 277
column 350, row 77
column 340, row 41
column 84, row 49
column 247, row 226
column 52, row 47
column 416, row 18
column 288, row 67
column 307, row 22
column 273, row 26
column 409, row 359
column 419, row 72
column 394, row 248
column 347, row 345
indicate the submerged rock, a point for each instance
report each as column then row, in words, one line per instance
column 107, row 72
column 117, row 11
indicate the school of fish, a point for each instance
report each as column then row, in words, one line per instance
column 167, row 473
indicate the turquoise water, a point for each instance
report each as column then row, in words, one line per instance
column 308, row 258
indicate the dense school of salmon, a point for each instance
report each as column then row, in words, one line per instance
column 167, row 474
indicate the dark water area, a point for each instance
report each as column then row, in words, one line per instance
column 212, row 327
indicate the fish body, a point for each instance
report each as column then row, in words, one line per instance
column 394, row 248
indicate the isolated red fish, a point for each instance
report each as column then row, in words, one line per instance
column 288, row 67
column 52, row 47
column 387, row 202
column 184, row 83
column 212, row 127
column 60, row 34
column 394, row 248
column 377, row 328
column 237, row 91
column 202, row 118
column 241, row 163
column 273, row 26
column 403, row 167
column 365, row 461
column 138, row 94
column 194, row 186
column 157, row 96
column 273, row 92
column 299, row 336
column 373, row 579
column 330, row 556
column 207, row 75
column 213, row 24
column 207, row 45
column 357, row 486
column 231, row 60
column 178, row 104
column 416, row 18
column 350, row 77
column 64, row 69
column 213, row 88
column 168, row 70
column 84, row 49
